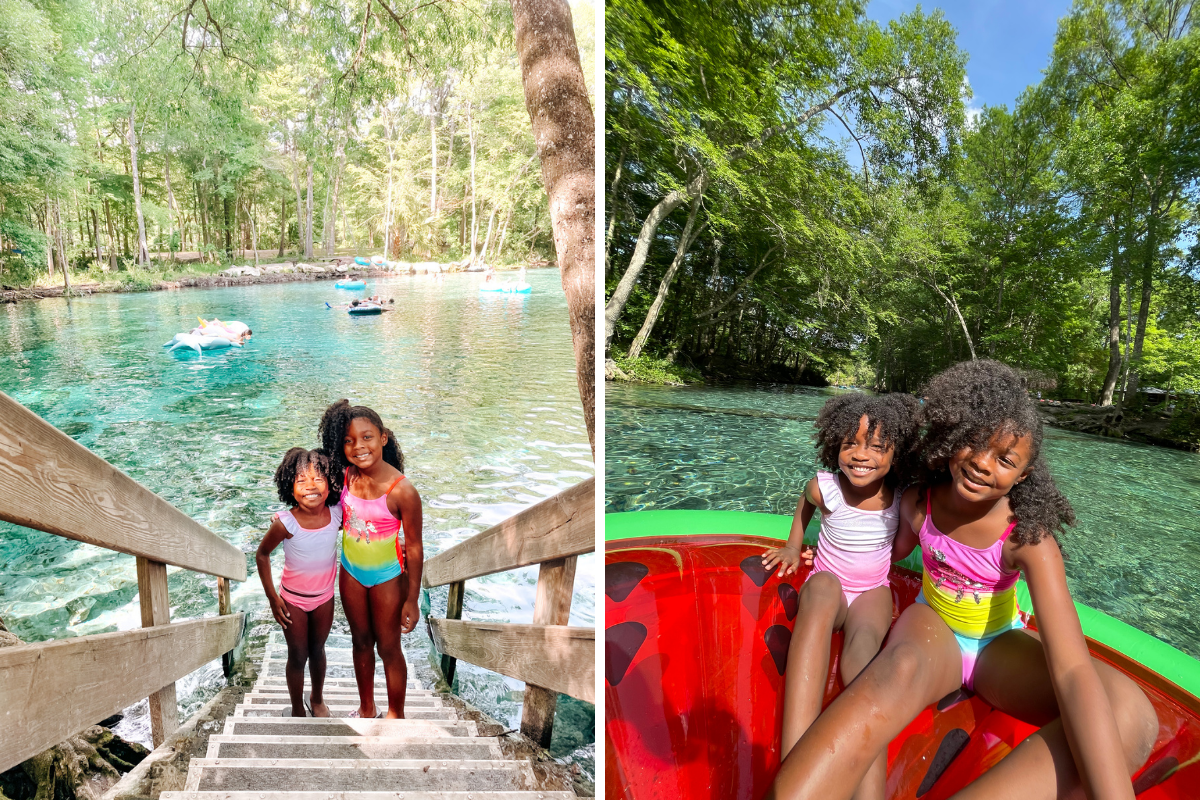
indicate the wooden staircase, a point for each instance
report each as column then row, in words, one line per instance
column 265, row 754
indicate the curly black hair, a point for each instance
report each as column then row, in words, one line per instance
column 295, row 462
column 332, row 433
column 896, row 417
column 969, row 403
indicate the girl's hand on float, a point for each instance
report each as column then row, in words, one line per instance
column 787, row 556
column 279, row 609
column 410, row 615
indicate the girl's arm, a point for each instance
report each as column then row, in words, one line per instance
column 1087, row 716
column 275, row 536
column 906, row 537
column 408, row 508
column 789, row 555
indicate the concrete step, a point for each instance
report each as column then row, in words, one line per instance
column 346, row 682
column 338, row 711
column 348, row 689
column 314, row 726
column 403, row 795
column 350, row 775
column 359, row 747
column 331, row 656
column 276, row 668
column 410, row 701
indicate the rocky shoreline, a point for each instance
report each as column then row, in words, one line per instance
column 1145, row 426
column 239, row 276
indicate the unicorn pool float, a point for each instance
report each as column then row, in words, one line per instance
column 212, row 335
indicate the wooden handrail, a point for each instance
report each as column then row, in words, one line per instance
column 549, row 656
column 555, row 657
column 52, row 690
column 560, row 526
column 54, row 484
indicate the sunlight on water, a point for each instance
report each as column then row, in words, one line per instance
column 1134, row 553
column 479, row 388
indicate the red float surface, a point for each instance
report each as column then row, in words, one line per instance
column 695, row 648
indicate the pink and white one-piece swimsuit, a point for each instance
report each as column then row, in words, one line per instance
column 855, row 545
column 309, row 560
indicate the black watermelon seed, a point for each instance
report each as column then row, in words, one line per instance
column 790, row 598
column 753, row 567
column 621, row 578
column 952, row 744
column 778, row 637
column 621, row 643
column 954, row 698
column 1158, row 772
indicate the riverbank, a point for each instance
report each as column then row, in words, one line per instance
column 1148, row 426
column 208, row 276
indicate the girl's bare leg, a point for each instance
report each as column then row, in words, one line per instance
column 356, row 602
column 822, row 610
column 296, row 636
column 867, row 623
column 387, row 600
column 920, row 664
column 320, row 620
column 1012, row 675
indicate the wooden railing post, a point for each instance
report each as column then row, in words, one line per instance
column 556, row 583
column 454, row 606
column 156, row 610
column 225, row 608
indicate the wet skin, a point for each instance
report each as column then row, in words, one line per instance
column 379, row 614
column 304, row 631
column 1097, row 727
column 863, row 463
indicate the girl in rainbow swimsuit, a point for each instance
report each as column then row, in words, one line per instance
column 303, row 606
column 862, row 440
column 382, row 554
column 984, row 511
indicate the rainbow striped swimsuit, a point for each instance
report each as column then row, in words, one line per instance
column 970, row 590
column 372, row 539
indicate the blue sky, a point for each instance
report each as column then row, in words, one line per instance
column 1009, row 41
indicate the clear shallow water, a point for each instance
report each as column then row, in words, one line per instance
column 1134, row 553
column 479, row 389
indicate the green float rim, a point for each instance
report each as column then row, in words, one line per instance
column 1152, row 653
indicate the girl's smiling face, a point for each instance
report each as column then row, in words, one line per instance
column 864, row 460
column 311, row 490
column 991, row 471
column 363, row 444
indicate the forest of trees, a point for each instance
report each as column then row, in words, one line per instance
column 131, row 130
column 796, row 193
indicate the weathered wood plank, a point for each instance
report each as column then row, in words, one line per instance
column 454, row 607
column 56, row 485
column 556, row 584
column 559, row 526
column 156, row 610
column 52, row 690
column 555, row 657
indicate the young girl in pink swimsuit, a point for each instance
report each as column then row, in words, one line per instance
column 862, row 440
column 303, row 606
column 985, row 510
column 382, row 554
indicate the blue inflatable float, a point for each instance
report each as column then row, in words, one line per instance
column 362, row 262
column 364, row 309
column 350, row 285
column 507, row 288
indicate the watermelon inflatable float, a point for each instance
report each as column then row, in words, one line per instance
column 695, row 647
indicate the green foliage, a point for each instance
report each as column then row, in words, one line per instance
column 26, row 253
column 659, row 371
column 1184, row 427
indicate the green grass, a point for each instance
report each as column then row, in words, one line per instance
column 658, row 370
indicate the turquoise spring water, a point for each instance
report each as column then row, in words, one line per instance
column 479, row 389
column 1134, row 553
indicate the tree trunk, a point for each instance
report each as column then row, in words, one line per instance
column 50, row 239
column 685, row 241
column 62, row 251
column 253, row 231
column 171, row 207
column 308, row 213
column 433, row 168
column 299, row 199
column 331, row 219
column 143, row 255
column 112, row 236
column 488, row 238
column 227, row 218
column 282, row 224
column 471, row 136
column 96, row 235
column 1114, row 327
column 564, row 129
column 1151, row 256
